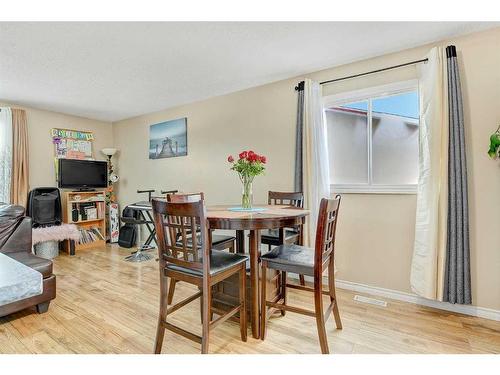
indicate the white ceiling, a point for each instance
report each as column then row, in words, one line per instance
column 113, row 71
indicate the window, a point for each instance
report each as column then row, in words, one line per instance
column 373, row 139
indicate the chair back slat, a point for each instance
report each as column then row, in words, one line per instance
column 185, row 198
column 326, row 229
column 295, row 199
column 174, row 223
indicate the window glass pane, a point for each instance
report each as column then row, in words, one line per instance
column 405, row 105
column 347, row 143
column 395, row 139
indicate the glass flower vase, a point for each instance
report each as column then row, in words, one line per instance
column 246, row 196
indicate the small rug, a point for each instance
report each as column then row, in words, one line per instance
column 56, row 233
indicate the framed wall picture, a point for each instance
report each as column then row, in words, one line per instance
column 168, row 139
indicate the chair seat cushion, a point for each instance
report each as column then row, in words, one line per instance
column 219, row 238
column 44, row 266
column 219, row 261
column 216, row 240
column 272, row 236
column 291, row 258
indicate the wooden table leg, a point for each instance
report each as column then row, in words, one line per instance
column 240, row 241
column 210, row 233
column 254, row 281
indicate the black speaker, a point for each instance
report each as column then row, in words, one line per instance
column 74, row 214
column 127, row 236
column 44, row 206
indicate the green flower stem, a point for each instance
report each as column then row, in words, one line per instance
column 246, row 197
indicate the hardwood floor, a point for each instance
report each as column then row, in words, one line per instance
column 107, row 305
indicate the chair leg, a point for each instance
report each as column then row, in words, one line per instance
column 162, row 316
column 171, row 291
column 263, row 298
column 333, row 297
column 302, row 280
column 320, row 320
column 243, row 308
column 211, row 314
column 300, row 241
column 207, row 297
column 283, row 290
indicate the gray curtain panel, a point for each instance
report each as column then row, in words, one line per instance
column 457, row 287
column 298, row 185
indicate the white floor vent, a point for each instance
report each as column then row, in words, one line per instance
column 371, row 301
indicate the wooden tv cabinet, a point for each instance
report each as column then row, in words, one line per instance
column 75, row 199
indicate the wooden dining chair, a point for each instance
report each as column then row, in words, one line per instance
column 196, row 264
column 311, row 262
column 219, row 242
column 276, row 237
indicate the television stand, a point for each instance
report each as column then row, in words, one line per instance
column 93, row 228
column 85, row 189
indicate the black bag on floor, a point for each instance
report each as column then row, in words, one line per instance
column 128, row 232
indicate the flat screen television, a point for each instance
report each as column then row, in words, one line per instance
column 82, row 174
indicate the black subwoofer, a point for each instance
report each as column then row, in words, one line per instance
column 44, row 206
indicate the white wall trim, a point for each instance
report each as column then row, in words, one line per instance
column 373, row 189
column 481, row 312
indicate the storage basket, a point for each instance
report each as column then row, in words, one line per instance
column 47, row 249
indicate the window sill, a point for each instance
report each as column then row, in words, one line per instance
column 373, row 189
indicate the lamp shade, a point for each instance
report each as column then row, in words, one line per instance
column 109, row 151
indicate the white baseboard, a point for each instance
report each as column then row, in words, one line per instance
column 480, row 312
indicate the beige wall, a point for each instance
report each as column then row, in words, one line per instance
column 376, row 232
column 41, row 149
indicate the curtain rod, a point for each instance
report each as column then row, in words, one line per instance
column 375, row 71
column 301, row 87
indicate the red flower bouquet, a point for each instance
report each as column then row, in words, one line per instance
column 248, row 165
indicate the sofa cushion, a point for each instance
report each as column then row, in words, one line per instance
column 10, row 216
column 44, row 266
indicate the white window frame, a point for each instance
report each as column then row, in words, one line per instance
column 365, row 95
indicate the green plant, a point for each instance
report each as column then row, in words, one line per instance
column 494, row 150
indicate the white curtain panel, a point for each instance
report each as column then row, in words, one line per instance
column 316, row 170
column 5, row 153
column 429, row 254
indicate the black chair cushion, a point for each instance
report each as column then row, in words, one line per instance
column 219, row 261
column 44, row 266
column 216, row 240
column 291, row 258
column 219, row 238
column 272, row 237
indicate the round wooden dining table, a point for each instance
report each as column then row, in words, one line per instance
column 271, row 217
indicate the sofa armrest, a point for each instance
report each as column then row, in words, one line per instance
column 20, row 240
